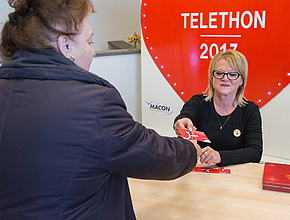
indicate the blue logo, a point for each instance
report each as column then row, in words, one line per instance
column 154, row 106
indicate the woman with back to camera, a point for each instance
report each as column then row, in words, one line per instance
column 67, row 142
column 232, row 123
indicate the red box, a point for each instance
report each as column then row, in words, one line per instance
column 276, row 177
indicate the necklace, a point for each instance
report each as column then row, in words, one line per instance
column 222, row 125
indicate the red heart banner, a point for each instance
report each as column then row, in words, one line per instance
column 183, row 36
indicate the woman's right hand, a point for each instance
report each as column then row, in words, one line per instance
column 183, row 123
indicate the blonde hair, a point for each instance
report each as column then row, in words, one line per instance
column 237, row 62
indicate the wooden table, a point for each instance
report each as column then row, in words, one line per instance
column 201, row 196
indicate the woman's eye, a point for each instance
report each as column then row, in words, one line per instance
column 233, row 74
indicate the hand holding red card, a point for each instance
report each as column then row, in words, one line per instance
column 193, row 135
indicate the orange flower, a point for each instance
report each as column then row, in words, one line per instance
column 134, row 38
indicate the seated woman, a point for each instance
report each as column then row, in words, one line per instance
column 232, row 123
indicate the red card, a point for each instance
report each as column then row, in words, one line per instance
column 193, row 135
column 212, row 170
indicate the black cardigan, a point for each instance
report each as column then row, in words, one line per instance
column 240, row 140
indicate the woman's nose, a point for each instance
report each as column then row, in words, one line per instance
column 225, row 77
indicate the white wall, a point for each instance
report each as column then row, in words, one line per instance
column 124, row 72
column 4, row 11
column 113, row 20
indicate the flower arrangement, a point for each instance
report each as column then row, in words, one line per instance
column 134, row 38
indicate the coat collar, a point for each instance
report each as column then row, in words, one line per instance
column 46, row 65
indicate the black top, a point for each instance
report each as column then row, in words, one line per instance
column 240, row 139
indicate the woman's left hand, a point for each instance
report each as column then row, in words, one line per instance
column 210, row 156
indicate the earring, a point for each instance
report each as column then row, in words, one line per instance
column 71, row 58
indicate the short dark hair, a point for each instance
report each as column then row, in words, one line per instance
column 35, row 24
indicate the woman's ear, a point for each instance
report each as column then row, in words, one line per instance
column 241, row 83
column 63, row 45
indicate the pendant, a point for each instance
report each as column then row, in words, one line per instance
column 221, row 127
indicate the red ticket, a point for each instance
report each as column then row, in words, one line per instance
column 193, row 135
column 212, row 170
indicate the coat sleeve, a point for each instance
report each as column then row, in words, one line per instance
column 131, row 150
